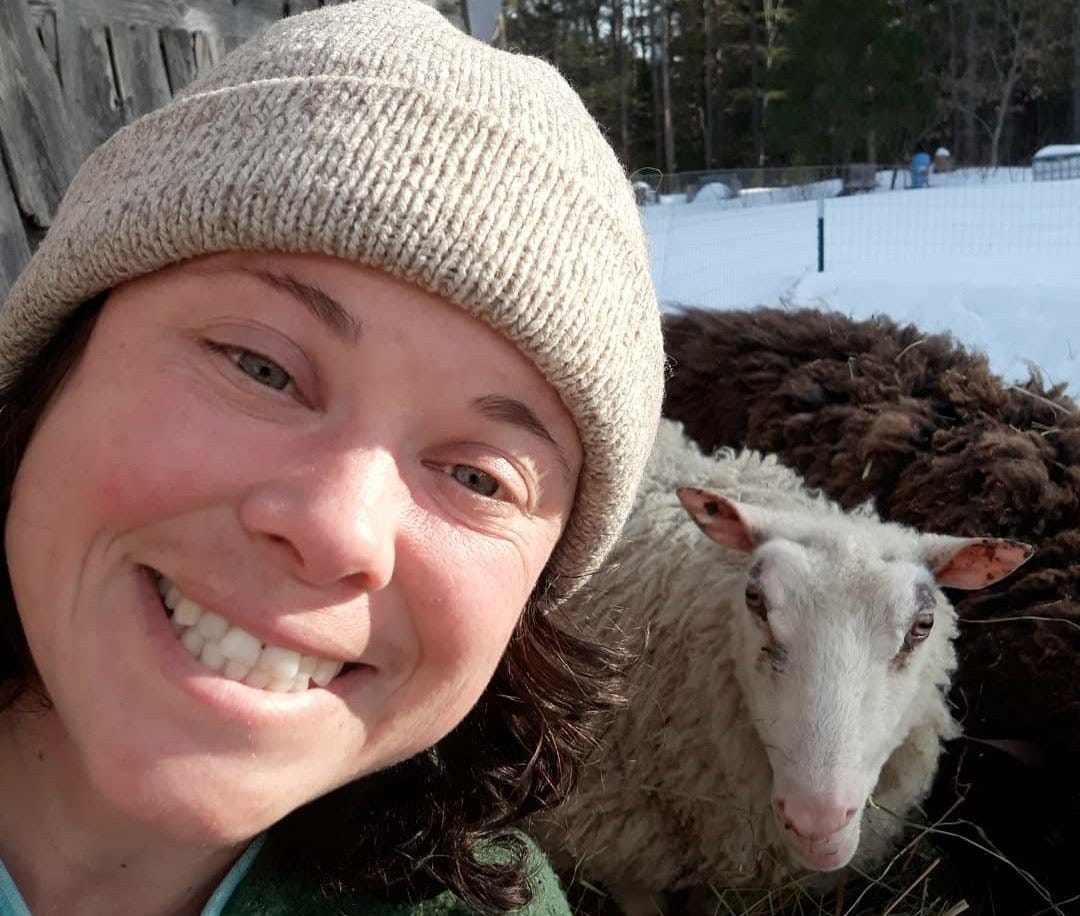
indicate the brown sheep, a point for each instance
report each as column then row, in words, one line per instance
column 875, row 410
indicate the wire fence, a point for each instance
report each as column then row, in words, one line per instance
column 735, row 243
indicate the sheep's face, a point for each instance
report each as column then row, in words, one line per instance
column 840, row 637
column 834, row 645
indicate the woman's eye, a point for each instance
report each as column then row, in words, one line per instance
column 474, row 479
column 262, row 370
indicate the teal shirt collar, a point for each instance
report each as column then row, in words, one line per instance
column 12, row 903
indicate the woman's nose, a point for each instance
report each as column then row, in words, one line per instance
column 333, row 520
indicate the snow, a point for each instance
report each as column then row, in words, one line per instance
column 713, row 192
column 992, row 258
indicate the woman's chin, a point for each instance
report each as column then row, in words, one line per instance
column 221, row 812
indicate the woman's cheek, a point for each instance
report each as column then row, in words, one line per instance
column 476, row 593
column 123, row 483
column 161, row 454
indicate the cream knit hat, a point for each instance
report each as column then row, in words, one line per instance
column 377, row 132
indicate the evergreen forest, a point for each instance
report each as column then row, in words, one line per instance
column 708, row 84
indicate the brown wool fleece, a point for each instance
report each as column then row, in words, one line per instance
column 873, row 410
column 377, row 132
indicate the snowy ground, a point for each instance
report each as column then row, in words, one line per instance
column 992, row 258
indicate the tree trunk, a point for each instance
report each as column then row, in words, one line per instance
column 618, row 49
column 710, row 83
column 971, row 64
column 1076, row 71
column 755, row 86
column 665, row 75
column 657, row 93
column 771, row 13
column 955, row 95
column 720, row 102
column 1004, row 103
column 592, row 25
column 635, row 34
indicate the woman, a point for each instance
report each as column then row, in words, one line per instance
column 330, row 379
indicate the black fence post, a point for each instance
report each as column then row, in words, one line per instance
column 821, row 235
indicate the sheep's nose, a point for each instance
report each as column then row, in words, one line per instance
column 814, row 817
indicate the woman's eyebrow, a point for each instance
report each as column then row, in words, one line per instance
column 322, row 305
column 511, row 411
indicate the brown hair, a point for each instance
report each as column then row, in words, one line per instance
column 439, row 821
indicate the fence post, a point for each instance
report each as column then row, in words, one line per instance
column 821, row 235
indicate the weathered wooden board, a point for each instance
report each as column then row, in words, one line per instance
column 88, row 80
column 140, row 68
column 178, row 46
column 45, row 22
column 483, row 17
column 209, row 49
column 72, row 72
column 14, row 250
column 219, row 16
column 41, row 143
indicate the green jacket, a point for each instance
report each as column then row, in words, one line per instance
column 265, row 893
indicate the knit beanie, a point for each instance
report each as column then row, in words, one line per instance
column 375, row 131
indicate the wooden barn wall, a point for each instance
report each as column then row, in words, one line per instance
column 73, row 71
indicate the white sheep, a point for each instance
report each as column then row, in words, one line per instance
column 789, row 674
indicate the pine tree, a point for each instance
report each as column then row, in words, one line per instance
column 851, row 84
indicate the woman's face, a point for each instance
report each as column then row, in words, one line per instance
column 332, row 465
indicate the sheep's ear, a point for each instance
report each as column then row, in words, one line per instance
column 973, row 563
column 722, row 519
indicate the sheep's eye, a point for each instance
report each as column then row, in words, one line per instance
column 755, row 600
column 920, row 628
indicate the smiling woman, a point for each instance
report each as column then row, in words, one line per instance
column 305, row 428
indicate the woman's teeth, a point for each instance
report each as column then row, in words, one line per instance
column 239, row 656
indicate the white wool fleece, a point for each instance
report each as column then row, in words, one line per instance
column 679, row 793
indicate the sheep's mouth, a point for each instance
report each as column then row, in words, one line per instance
column 238, row 655
column 826, row 854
